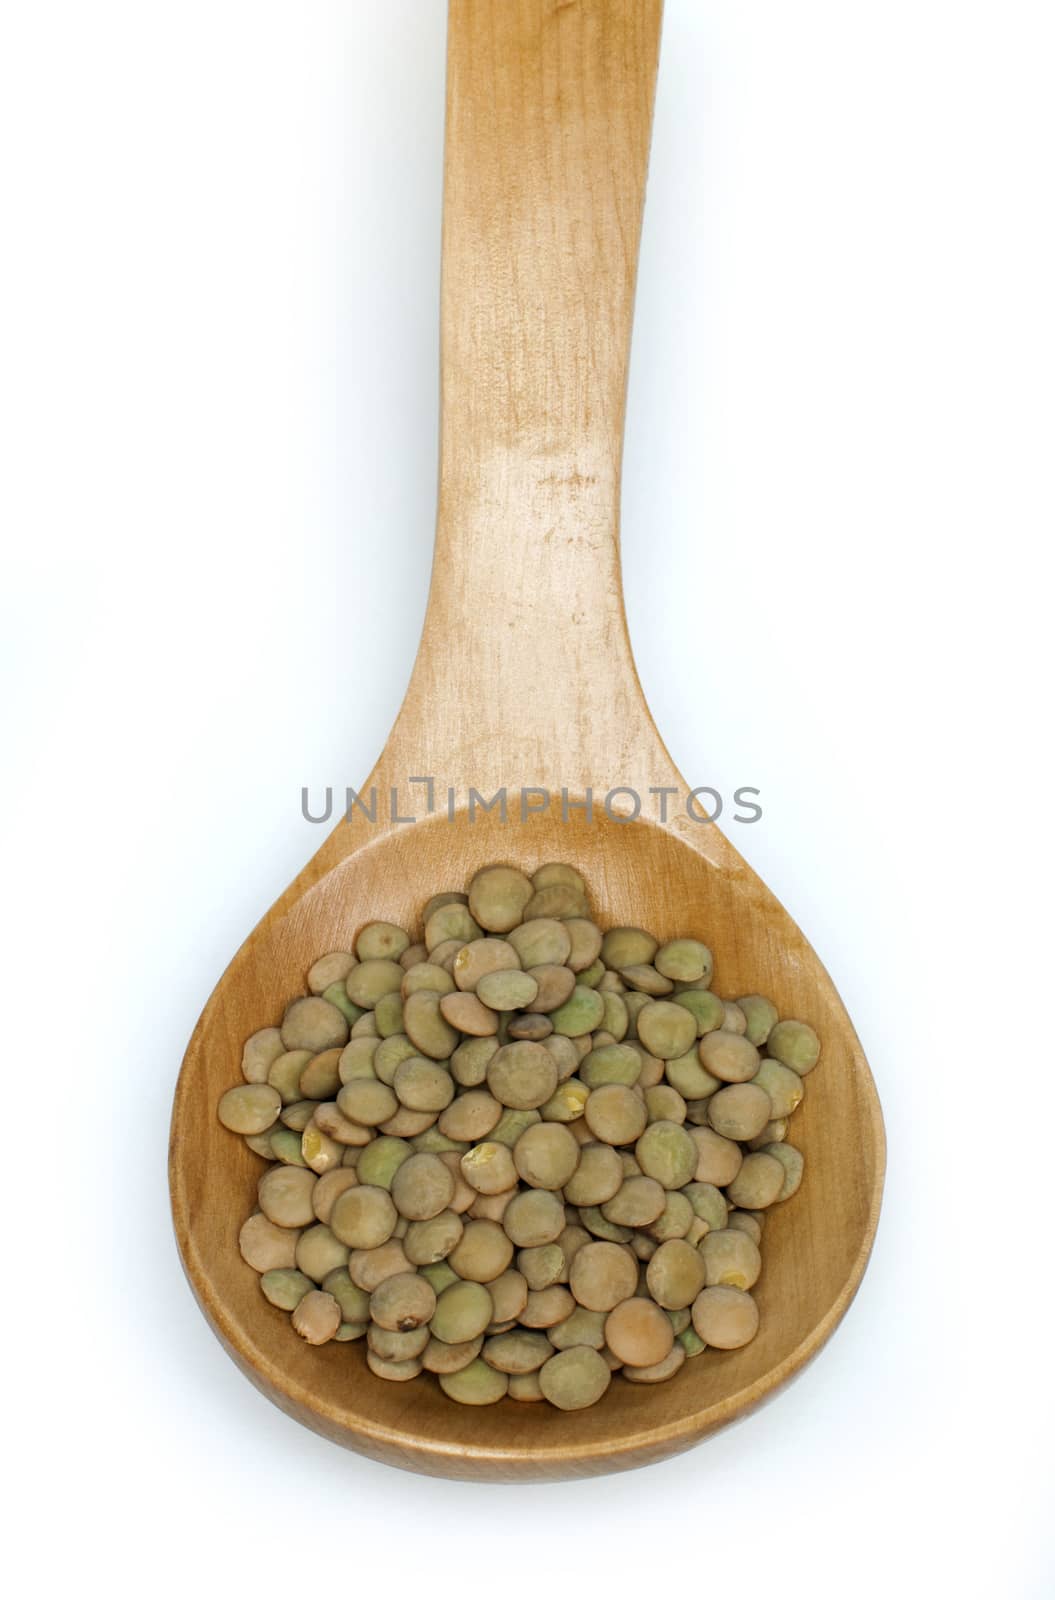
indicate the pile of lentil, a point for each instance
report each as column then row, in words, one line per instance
column 520, row 1153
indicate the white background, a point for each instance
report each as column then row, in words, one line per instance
column 218, row 389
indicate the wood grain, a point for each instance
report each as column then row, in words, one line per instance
column 525, row 676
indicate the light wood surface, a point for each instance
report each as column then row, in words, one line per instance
column 525, row 677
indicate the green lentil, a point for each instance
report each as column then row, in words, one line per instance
column 659, row 1371
column 795, row 1045
column 285, row 1287
column 265, row 1246
column 555, row 986
column 774, row 1132
column 427, row 975
column 542, row 942
column 748, row 1223
column 730, row 1256
column 483, row 1252
column 489, row 1167
column 498, row 897
column 615, row 1114
column 664, row 1104
column 381, row 1159
column 582, row 1327
column 469, row 1061
column 546, row 1155
column 704, row 1007
column 667, row 1153
column 675, row 1220
column 566, row 1055
column 544, row 1308
column 616, row 1017
column 368, row 1268
column 739, row 1111
column 718, row 1159
column 433, row 1239
column 759, row 1181
column 685, row 959
column 666, row 1029
column 439, row 1357
column 363, row 1217
column 783, row 1086
column 381, row 941
column 368, row 982
column 422, row 1187
column 285, row 1196
column 566, row 1103
column 708, row 1203
column 676, row 1274
column 511, row 1124
column 463, row 1310
column 353, row 1301
column 611, row 1063
column 449, row 897
column 440, row 1275
column 522, row 1076
column 597, row 1177
column 729, row 1056
column 389, row 1054
column 517, row 1352
column 691, row 1343
column 330, row 969
column 574, row 1378
column 403, row 1302
column 392, row 1344
column 760, row 1016
column 733, row 1019
column 559, row 900
column 525, row 1386
column 261, row 1050
column 534, row 1217
column 250, row 1109
column 259, row 1144
column 357, row 1059
column 392, row 1371
column 646, row 980
column 542, row 1265
column 580, row 1014
column 627, row 947
column 558, row 872
column 448, row 924
column 725, row 1317
column 638, row 1332
column 313, row 1024
column 337, row 995
column 367, row 1101
column 388, row 1015
column 427, row 1028
column 791, row 1160
column 507, row 991
column 319, row 1251
column 637, row 1203
column 285, row 1146
column 284, row 1074
column 316, row 1317
column 475, row 1385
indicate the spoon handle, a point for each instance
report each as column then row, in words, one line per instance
column 549, row 115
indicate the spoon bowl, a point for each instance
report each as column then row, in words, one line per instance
column 525, row 682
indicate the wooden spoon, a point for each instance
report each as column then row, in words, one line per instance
column 525, row 678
